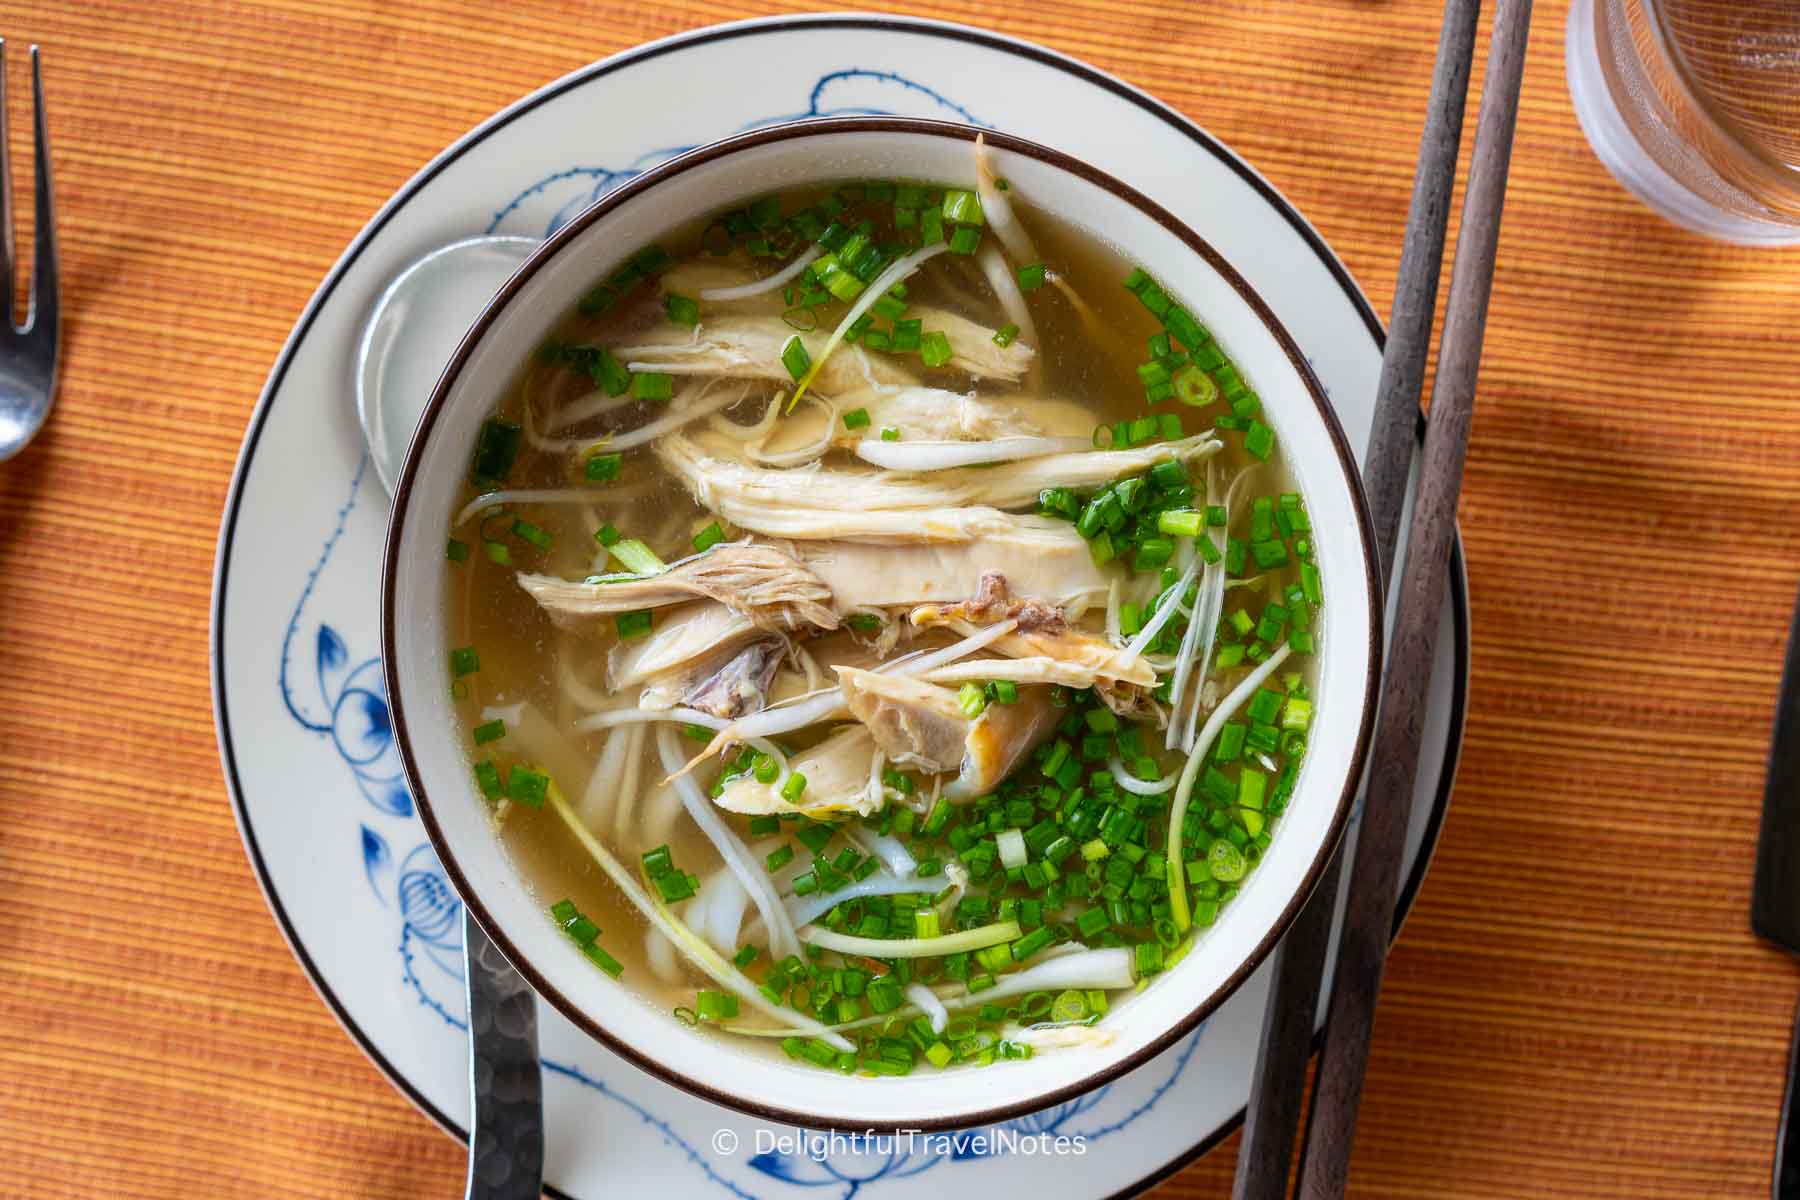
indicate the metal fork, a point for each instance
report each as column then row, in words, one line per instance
column 28, row 352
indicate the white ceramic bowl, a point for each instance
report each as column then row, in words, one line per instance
column 428, row 732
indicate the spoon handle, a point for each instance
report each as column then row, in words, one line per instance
column 506, row 1088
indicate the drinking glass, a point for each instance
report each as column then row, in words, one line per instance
column 1694, row 105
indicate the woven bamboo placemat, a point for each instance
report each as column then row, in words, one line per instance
column 1577, row 1007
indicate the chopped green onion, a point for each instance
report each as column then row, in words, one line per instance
column 962, row 207
column 889, row 434
column 634, row 624
column 1031, row 277
column 683, row 310
column 528, row 787
column 795, row 358
column 652, row 385
column 934, row 349
column 636, row 557
column 496, row 449
column 603, row 468
column 531, row 533
column 1179, row 522
column 490, row 731
column 1006, row 334
column 965, row 239
column 856, row 418
column 1100, row 549
column 931, row 226
column 793, row 788
column 716, row 1006
column 1194, row 387
column 971, row 700
column 464, row 661
column 709, row 537
column 1259, row 440
column 456, row 550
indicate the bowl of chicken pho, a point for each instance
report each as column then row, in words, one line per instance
column 878, row 621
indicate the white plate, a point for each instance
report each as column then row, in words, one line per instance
column 303, row 723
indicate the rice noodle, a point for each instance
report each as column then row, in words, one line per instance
column 997, row 209
column 1133, row 784
column 510, row 713
column 660, row 814
column 1115, row 617
column 896, row 272
column 598, row 798
column 943, row 456
column 626, row 804
column 782, row 940
column 744, row 291
column 659, row 952
column 717, row 910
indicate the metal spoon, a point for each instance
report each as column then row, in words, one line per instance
column 411, row 331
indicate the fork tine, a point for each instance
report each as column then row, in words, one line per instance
column 6, row 213
column 43, row 306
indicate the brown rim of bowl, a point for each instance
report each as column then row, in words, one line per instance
column 553, row 246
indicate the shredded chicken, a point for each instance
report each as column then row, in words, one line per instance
column 1040, row 558
column 773, row 589
column 1006, row 485
column 953, row 505
column 681, row 636
column 1123, row 681
column 922, row 724
column 931, row 414
column 837, row 781
column 749, row 346
column 993, row 602
column 728, row 684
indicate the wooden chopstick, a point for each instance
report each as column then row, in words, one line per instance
column 1280, row 1077
column 1381, row 843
